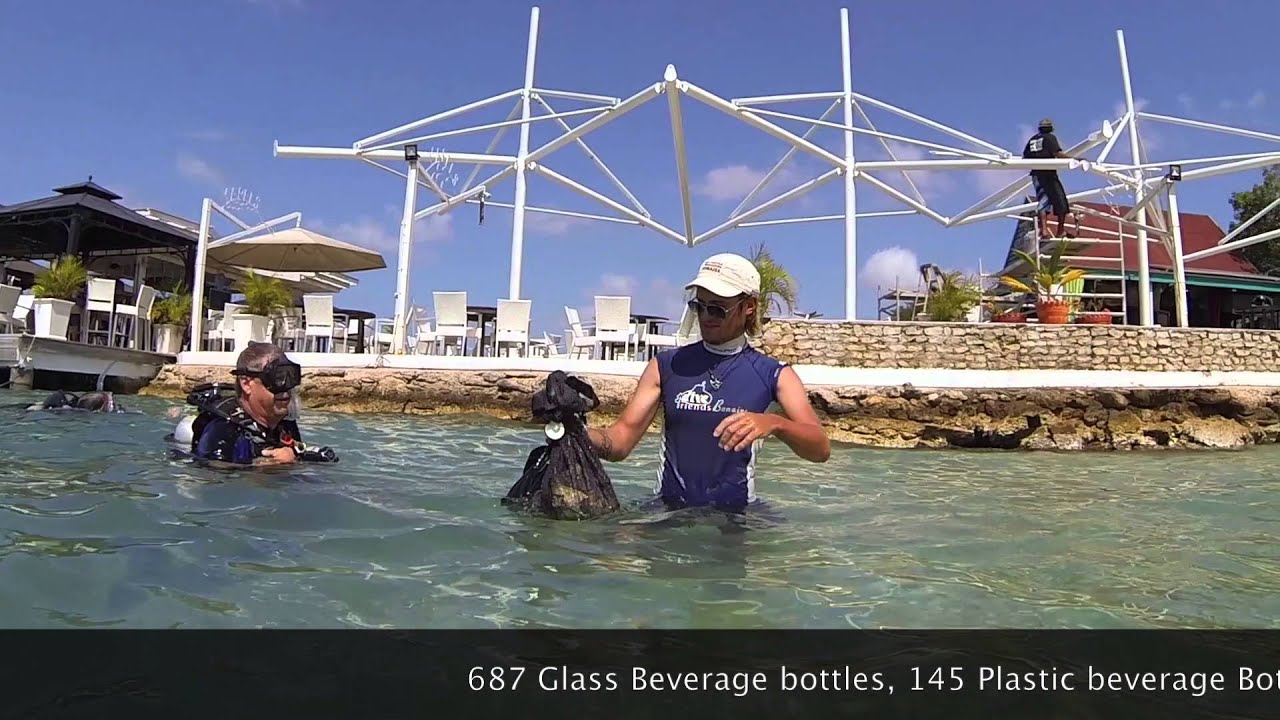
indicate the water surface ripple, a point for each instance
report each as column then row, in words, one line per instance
column 100, row 527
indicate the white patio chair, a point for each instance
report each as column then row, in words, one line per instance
column 689, row 332
column 138, row 317
column 9, row 295
column 290, row 330
column 512, row 325
column 547, row 346
column 317, row 311
column 451, row 320
column 613, row 323
column 578, row 333
column 423, row 338
column 654, row 343
column 381, row 332
column 101, row 298
column 341, row 332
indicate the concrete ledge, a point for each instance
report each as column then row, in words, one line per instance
column 1149, row 410
column 811, row 375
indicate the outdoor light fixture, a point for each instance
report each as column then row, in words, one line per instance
column 1175, row 173
column 411, row 153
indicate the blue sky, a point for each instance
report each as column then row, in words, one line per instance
column 166, row 103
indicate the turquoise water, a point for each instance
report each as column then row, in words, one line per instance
column 99, row 527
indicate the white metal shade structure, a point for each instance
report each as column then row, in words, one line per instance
column 295, row 249
column 1132, row 178
column 230, row 255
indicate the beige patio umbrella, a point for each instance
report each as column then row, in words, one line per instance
column 295, row 250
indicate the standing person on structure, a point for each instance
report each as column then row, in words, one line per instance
column 1050, row 195
column 714, row 395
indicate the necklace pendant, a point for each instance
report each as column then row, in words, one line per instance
column 715, row 382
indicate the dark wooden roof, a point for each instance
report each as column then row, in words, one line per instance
column 40, row 228
column 1199, row 232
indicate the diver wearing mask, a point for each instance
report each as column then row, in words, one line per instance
column 253, row 424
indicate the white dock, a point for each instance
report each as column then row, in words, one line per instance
column 22, row 353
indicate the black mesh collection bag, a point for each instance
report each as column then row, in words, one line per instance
column 564, row 478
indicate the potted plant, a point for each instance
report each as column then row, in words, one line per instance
column 1047, row 279
column 952, row 299
column 55, row 292
column 1094, row 312
column 171, row 315
column 263, row 296
column 777, row 287
column 1011, row 315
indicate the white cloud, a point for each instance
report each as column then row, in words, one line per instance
column 893, row 266
column 549, row 224
column 733, row 182
column 928, row 182
column 987, row 182
column 383, row 236
column 1254, row 102
column 1186, row 102
column 657, row 295
column 198, row 170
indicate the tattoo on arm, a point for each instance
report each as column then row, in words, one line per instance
column 604, row 445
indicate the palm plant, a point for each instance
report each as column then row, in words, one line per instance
column 174, row 309
column 64, row 279
column 1047, row 278
column 777, row 288
column 953, row 298
column 264, row 295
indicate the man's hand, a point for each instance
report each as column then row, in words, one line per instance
column 739, row 430
column 281, row 455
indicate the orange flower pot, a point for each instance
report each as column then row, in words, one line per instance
column 1095, row 318
column 1010, row 317
column 1053, row 312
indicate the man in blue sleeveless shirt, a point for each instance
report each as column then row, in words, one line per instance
column 714, row 396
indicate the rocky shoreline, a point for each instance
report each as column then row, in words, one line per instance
column 887, row 417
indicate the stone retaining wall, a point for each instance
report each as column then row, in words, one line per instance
column 900, row 417
column 1001, row 346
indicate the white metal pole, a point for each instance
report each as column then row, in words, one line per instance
column 399, row 333
column 671, row 78
column 1179, row 264
column 197, row 280
column 517, row 222
column 1144, row 269
column 850, row 172
column 1244, row 225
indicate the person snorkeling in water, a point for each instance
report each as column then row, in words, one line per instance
column 253, row 426
column 714, row 395
column 96, row 401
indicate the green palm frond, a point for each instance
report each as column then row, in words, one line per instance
column 778, row 290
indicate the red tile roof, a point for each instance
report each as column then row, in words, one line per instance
column 1199, row 232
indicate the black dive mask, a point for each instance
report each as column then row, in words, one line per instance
column 280, row 375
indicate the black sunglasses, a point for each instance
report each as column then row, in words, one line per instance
column 715, row 311
column 278, row 376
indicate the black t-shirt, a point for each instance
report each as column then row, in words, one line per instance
column 1042, row 146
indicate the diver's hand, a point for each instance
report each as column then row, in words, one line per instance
column 739, row 430
column 281, row 455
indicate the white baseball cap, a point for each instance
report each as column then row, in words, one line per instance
column 727, row 275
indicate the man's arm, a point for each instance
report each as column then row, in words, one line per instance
column 218, row 442
column 800, row 428
column 615, row 442
column 1055, row 147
